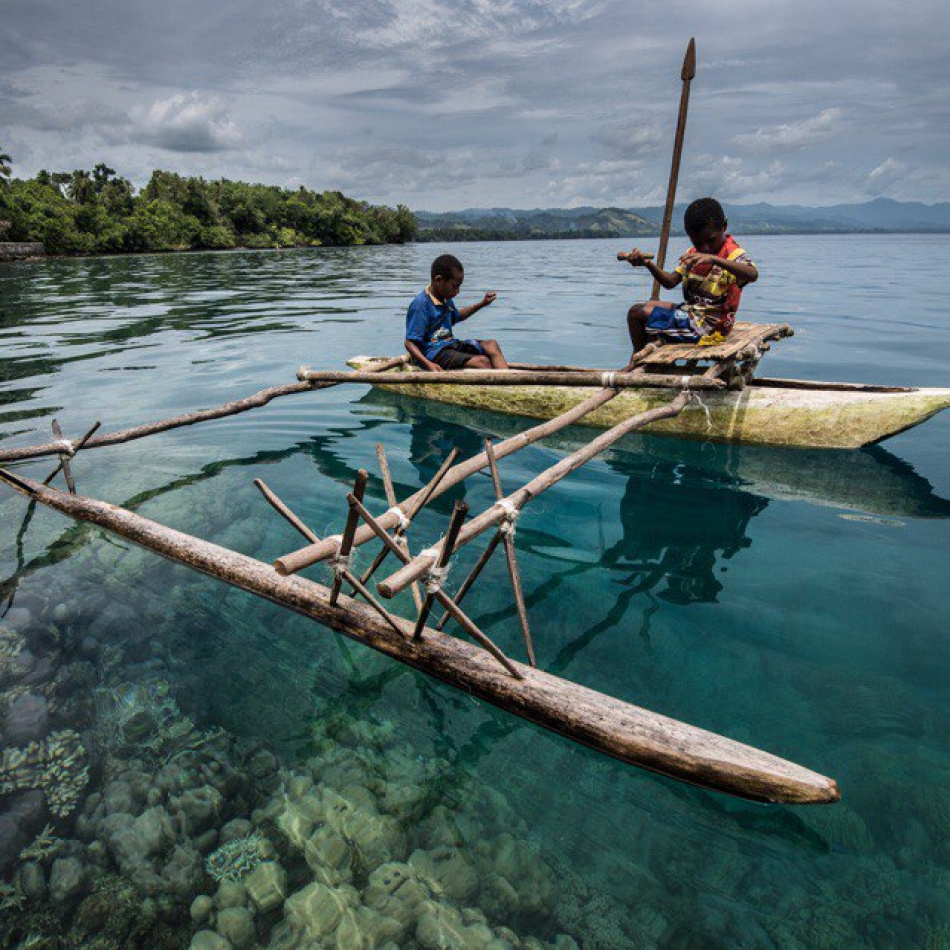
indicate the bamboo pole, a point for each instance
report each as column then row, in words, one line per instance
column 341, row 563
column 608, row 725
column 298, row 560
column 434, row 581
column 483, row 559
column 261, row 398
column 687, row 74
column 284, row 511
column 508, row 540
column 421, row 563
column 440, row 595
column 506, row 377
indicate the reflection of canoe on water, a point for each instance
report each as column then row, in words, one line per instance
column 870, row 480
column 786, row 412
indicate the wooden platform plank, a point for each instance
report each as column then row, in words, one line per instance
column 742, row 335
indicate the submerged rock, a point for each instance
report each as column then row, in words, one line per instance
column 267, row 886
column 318, row 909
column 67, row 880
column 33, row 880
column 27, row 719
column 230, row 894
column 236, row 924
column 209, row 940
column 202, row 907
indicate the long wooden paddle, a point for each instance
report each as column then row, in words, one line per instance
column 687, row 74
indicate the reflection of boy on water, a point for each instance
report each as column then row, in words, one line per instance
column 661, row 543
column 713, row 272
column 431, row 318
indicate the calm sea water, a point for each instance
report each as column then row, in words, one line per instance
column 795, row 600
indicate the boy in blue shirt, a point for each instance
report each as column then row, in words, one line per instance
column 433, row 314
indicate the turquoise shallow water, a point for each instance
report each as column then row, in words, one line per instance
column 794, row 600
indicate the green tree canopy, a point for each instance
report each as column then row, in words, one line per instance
column 100, row 212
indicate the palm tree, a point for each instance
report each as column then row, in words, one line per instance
column 5, row 169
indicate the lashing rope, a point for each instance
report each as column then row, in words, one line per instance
column 401, row 517
column 338, row 561
column 512, row 512
column 436, row 578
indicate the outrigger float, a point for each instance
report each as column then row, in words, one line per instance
column 608, row 725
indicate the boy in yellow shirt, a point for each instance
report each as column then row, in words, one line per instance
column 713, row 272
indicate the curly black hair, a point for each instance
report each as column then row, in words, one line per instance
column 446, row 265
column 701, row 212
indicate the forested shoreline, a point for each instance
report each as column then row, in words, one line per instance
column 100, row 212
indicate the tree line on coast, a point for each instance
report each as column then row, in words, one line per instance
column 100, row 212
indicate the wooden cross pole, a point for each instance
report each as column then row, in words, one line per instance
column 687, row 74
column 65, row 456
column 436, row 574
column 441, row 596
column 506, row 530
column 341, row 563
column 286, row 513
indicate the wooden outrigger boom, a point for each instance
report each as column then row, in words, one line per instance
column 611, row 726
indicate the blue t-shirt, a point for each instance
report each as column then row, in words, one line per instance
column 429, row 325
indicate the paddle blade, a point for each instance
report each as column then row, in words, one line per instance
column 689, row 61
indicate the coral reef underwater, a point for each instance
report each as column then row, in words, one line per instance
column 125, row 823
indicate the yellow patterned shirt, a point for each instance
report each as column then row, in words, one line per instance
column 712, row 293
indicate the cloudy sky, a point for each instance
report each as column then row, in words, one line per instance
column 446, row 104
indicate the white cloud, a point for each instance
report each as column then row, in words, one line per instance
column 631, row 136
column 820, row 128
column 889, row 173
column 725, row 176
column 187, row 122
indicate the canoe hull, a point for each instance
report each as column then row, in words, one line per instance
column 766, row 415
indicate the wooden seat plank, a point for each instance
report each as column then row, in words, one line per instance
column 742, row 335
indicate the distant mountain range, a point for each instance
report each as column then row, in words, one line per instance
column 882, row 215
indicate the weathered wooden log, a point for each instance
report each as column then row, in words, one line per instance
column 298, row 560
column 421, row 563
column 510, row 377
column 507, row 536
column 261, row 398
column 546, row 368
column 611, row 726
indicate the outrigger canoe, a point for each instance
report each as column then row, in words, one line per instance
column 749, row 409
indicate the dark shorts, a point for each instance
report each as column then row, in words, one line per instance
column 457, row 354
column 673, row 324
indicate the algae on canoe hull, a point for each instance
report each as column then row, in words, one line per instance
column 770, row 415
